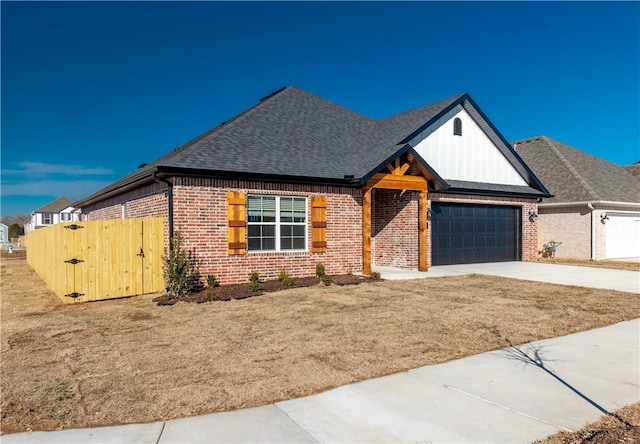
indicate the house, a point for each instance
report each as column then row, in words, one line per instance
column 4, row 234
column 60, row 210
column 297, row 180
column 595, row 210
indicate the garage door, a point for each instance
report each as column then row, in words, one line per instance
column 467, row 234
column 622, row 236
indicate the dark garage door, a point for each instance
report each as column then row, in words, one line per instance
column 467, row 234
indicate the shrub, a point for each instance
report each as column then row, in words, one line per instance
column 375, row 276
column 210, row 296
column 254, row 281
column 285, row 278
column 212, row 281
column 326, row 280
column 320, row 270
column 180, row 274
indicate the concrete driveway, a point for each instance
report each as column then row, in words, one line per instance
column 628, row 281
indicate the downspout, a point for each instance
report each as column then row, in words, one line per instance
column 593, row 231
column 170, row 204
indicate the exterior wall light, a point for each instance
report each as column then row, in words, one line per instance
column 604, row 217
column 533, row 216
column 429, row 214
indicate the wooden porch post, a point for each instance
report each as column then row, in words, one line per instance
column 422, row 232
column 366, row 232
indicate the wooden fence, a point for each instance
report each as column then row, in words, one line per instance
column 102, row 259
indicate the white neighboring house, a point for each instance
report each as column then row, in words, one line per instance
column 4, row 233
column 60, row 210
column 595, row 210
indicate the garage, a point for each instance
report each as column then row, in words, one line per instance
column 622, row 235
column 466, row 234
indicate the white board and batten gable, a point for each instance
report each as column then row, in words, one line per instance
column 471, row 156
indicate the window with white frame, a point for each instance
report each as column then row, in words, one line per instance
column 47, row 218
column 276, row 223
column 65, row 216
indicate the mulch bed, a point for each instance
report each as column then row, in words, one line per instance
column 20, row 254
column 241, row 291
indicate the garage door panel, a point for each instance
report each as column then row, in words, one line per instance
column 474, row 233
column 622, row 238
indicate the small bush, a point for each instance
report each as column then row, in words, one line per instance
column 210, row 296
column 375, row 276
column 285, row 278
column 326, row 280
column 320, row 273
column 254, row 282
column 180, row 274
column 212, row 281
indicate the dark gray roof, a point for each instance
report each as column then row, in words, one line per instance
column 572, row 175
column 56, row 206
column 297, row 136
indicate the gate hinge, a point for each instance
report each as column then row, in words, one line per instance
column 74, row 261
column 74, row 295
column 73, row 227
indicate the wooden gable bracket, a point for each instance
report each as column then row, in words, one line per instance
column 396, row 179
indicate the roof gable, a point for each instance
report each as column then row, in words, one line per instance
column 575, row 176
column 56, row 206
column 469, row 156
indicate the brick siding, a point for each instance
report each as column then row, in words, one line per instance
column 200, row 216
column 394, row 229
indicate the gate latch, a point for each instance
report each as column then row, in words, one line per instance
column 74, row 261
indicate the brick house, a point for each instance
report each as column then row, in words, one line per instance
column 297, row 180
column 595, row 210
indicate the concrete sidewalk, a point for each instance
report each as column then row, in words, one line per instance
column 518, row 394
column 621, row 280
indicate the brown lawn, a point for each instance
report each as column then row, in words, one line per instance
column 615, row 265
column 620, row 427
column 130, row 360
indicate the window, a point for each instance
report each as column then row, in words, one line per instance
column 276, row 223
column 457, row 127
column 47, row 218
column 65, row 216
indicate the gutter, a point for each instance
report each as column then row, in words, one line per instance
column 607, row 203
column 170, row 204
column 593, row 230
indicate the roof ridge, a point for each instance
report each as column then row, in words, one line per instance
column 570, row 167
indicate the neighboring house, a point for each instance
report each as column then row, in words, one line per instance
column 297, row 180
column 595, row 210
column 60, row 210
column 4, row 233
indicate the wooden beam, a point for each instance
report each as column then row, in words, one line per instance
column 366, row 232
column 422, row 231
column 393, row 182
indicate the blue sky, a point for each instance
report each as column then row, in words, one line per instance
column 91, row 90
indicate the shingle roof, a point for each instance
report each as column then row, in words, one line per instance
column 294, row 134
column 634, row 169
column 56, row 206
column 575, row 176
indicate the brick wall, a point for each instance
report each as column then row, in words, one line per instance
column 529, row 228
column 394, row 229
column 569, row 225
column 200, row 215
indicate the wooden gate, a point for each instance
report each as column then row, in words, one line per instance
column 102, row 259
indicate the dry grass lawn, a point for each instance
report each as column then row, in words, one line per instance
column 129, row 360
column 608, row 430
column 615, row 265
